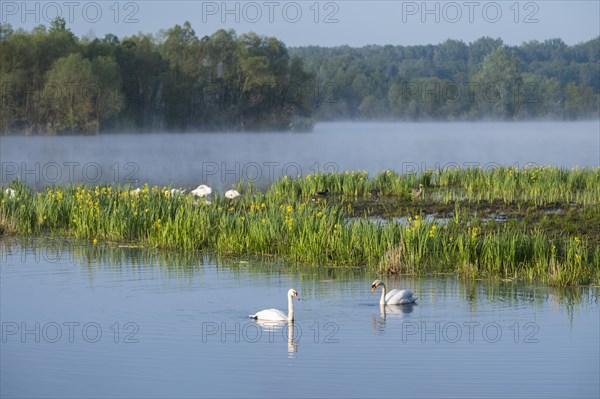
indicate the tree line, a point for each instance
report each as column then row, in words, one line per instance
column 485, row 79
column 53, row 82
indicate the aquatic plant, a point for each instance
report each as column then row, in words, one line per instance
column 284, row 222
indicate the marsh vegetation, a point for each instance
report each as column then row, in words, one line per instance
column 536, row 224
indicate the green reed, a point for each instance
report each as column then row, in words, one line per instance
column 285, row 222
column 537, row 185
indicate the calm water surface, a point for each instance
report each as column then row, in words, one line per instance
column 221, row 159
column 93, row 321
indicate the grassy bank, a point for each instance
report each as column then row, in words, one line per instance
column 548, row 231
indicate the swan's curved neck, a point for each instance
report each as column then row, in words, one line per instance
column 383, row 292
column 290, row 308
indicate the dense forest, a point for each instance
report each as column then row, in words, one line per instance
column 456, row 81
column 53, row 82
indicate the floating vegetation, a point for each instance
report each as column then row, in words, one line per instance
column 290, row 220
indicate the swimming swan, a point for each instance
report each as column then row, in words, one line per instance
column 278, row 315
column 394, row 297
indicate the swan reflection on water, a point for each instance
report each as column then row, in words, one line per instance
column 398, row 311
column 292, row 341
column 282, row 329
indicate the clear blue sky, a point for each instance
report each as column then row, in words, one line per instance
column 325, row 23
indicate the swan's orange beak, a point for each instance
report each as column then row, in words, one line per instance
column 373, row 289
column 297, row 297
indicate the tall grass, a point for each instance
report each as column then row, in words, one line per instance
column 537, row 185
column 284, row 222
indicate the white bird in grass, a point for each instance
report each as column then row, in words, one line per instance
column 276, row 314
column 394, row 297
column 10, row 193
column 231, row 194
column 202, row 191
column 176, row 191
column 136, row 191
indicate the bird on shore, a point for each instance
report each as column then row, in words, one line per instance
column 320, row 194
column 202, row 191
column 232, row 194
column 418, row 191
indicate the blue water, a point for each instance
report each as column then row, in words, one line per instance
column 80, row 320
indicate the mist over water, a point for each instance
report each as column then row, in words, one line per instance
column 221, row 159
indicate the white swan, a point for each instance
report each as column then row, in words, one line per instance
column 394, row 297
column 231, row 194
column 10, row 193
column 276, row 314
column 202, row 191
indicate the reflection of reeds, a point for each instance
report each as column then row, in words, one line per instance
column 186, row 265
column 284, row 222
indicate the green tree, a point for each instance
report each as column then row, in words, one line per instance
column 580, row 101
column 499, row 83
column 106, row 92
column 180, row 48
column 15, row 98
column 6, row 30
column 68, row 96
column 480, row 49
column 142, row 71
